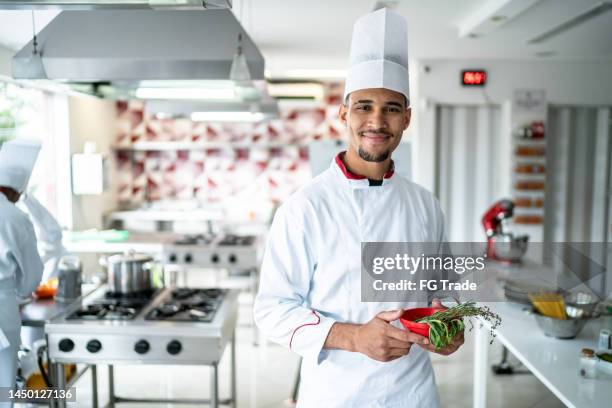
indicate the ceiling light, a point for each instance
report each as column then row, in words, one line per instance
column 288, row 90
column 499, row 18
column 227, row 116
column 239, row 72
column 32, row 66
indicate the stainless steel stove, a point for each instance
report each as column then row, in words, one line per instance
column 178, row 326
column 223, row 251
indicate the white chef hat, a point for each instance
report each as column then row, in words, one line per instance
column 379, row 53
column 17, row 159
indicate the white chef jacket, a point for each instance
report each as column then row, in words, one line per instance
column 20, row 273
column 48, row 236
column 310, row 279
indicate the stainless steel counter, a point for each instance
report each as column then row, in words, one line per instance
column 38, row 312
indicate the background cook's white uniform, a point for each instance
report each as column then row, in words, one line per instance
column 48, row 236
column 310, row 279
column 20, row 273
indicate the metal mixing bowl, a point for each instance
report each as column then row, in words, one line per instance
column 510, row 248
column 558, row 328
column 580, row 304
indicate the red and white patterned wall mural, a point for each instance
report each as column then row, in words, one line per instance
column 266, row 161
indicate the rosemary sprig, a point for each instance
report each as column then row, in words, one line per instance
column 446, row 324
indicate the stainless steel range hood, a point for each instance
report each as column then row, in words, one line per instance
column 132, row 45
column 109, row 4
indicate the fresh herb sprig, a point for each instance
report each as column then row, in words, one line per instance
column 446, row 324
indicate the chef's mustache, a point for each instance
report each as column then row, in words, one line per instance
column 381, row 131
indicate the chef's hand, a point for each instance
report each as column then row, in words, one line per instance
column 381, row 341
column 451, row 348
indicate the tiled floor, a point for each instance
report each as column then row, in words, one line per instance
column 266, row 373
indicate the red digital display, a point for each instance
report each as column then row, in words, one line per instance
column 473, row 77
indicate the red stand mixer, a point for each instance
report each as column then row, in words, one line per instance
column 502, row 245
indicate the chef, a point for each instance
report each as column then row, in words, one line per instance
column 309, row 299
column 48, row 235
column 20, row 265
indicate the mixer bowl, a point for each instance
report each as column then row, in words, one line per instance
column 509, row 248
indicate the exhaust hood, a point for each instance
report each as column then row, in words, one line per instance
column 124, row 47
column 109, row 4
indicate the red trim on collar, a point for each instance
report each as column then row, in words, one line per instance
column 353, row 176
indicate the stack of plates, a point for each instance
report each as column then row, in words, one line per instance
column 518, row 291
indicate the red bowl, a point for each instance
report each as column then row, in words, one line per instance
column 410, row 315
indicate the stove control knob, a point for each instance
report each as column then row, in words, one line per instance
column 66, row 345
column 232, row 259
column 188, row 258
column 214, row 258
column 93, row 346
column 174, row 347
column 142, row 347
column 172, row 258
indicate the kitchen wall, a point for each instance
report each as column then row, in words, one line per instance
column 169, row 159
column 565, row 83
column 92, row 120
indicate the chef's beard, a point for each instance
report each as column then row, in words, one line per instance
column 372, row 157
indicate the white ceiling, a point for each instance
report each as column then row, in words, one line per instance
column 315, row 34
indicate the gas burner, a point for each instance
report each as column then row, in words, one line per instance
column 105, row 311
column 196, row 295
column 200, row 315
column 183, row 293
column 212, row 293
column 166, row 310
column 237, row 240
column 187, row 305
column 198, row 239
column 115, row 306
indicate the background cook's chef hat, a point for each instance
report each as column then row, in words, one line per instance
column 379, row 53
column 17, row 159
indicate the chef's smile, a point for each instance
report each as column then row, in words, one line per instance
column 375, row 137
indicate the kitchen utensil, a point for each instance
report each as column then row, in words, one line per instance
column 130, row 273
column 580, row 304
column 70, row 279
column 560, row 328
column 409, row 317
column 508, row 247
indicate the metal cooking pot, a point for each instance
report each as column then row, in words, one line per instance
column 130, row 273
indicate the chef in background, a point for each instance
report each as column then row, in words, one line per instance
column 20, row 265
column 48, row 235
